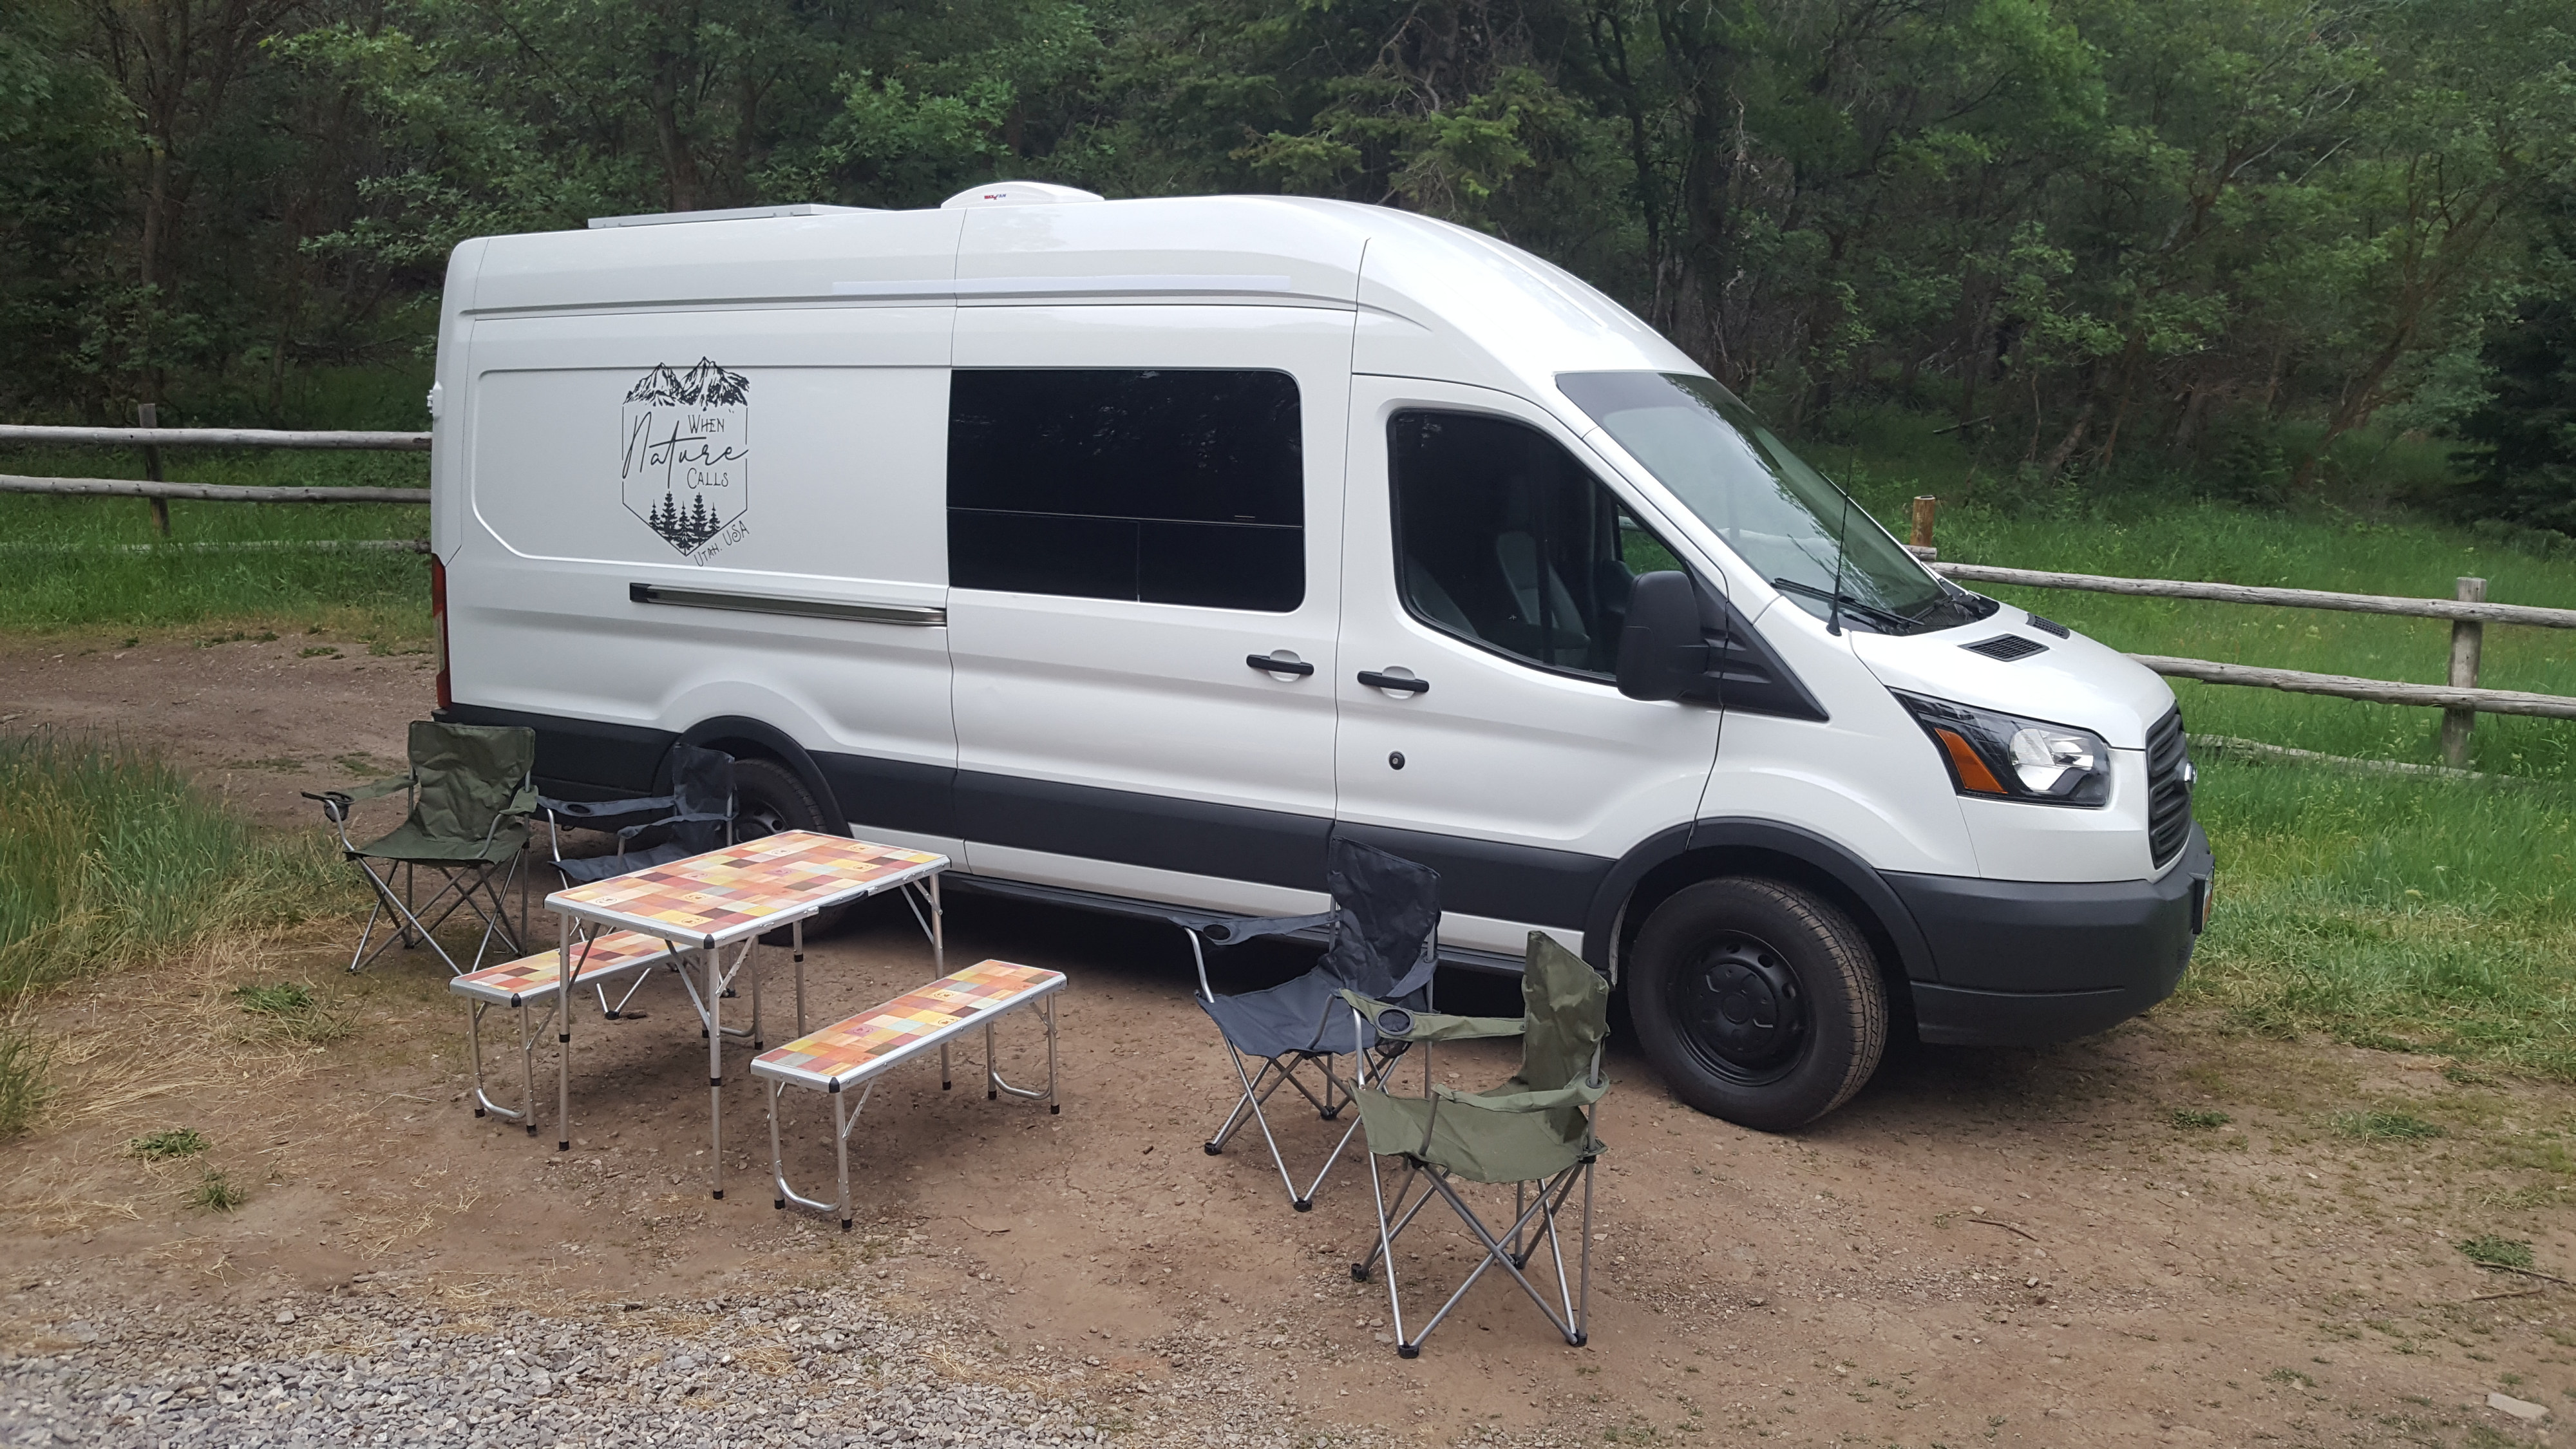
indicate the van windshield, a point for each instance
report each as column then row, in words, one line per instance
column 1782, row 517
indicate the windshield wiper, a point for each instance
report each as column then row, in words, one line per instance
column 1858, row 606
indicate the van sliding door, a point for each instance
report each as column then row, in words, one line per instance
column 1143, row 524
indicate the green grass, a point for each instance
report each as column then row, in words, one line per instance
column 216, row 1194
column 2497, row 1252
column 2426, row 914
column 66, row 568
column 290, row 1010
column 2385, row 1126
column 162, row 1146
column 2199, row 1119
column 107, row 855
column 23, row 1090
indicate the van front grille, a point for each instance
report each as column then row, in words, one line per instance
column 2168, row 787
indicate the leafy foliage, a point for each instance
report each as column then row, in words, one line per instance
column 2236, row 230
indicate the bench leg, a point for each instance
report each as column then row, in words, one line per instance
column 845, row 1116
column 751, row 963
column 1054, row 1104
column 796, row 946
column 944, row 1083
column 992, row 1066
column 841, row 1155
column 528, row 1067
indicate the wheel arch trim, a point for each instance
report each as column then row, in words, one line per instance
column 769, row 740
column 1725, row 839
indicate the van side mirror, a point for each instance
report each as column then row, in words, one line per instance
column 1662, row 653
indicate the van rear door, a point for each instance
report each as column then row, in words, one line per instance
column 1143, row 501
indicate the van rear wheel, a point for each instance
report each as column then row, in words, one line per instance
column 768, row 798
column 1758, row 1000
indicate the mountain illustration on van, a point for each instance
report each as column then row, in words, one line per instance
column 705, row 385
column 684, row 456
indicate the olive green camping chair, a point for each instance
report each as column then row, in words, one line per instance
column 471, row 791
column 1533, row 1132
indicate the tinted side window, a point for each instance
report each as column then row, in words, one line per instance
column 1168, row 487
column 1503, row 538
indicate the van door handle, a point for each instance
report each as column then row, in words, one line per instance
column 1375, row 680
column 1268, row 665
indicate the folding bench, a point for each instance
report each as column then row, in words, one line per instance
column 855, row 1052
column 538, row 981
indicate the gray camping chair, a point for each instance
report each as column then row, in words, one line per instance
column 697, row 816
column 1384, row 940
column 470, row 791
column 1534, row 1132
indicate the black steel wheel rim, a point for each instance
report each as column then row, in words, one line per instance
column 1742, row 1010
column 755, row 816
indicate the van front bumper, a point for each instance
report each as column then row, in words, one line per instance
column 2023, row 963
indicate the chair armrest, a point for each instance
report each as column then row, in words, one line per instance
column 1581, row 1094
column 1431, row 1025
column 579, row 810
column 377, row 790
column 1232, row 932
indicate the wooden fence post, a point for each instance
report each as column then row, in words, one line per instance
column 148, row 415
column 1923, row 505
column 2468, row 637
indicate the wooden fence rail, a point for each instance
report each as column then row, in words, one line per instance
column 205, row 492
column 2477, row 611
column 2461, row 701
column 213, row 438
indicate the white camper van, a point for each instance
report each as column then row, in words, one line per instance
column 1127, row 551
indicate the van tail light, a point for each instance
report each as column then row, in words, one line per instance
column 438, row 621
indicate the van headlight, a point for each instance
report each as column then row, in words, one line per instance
column 2005, row 757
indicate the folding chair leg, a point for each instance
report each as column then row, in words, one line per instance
column 1250, row 1100
column 1405, row 1346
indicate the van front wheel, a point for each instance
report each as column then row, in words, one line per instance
column 1760, row 1002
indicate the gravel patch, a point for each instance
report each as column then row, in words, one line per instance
column 396, row 1367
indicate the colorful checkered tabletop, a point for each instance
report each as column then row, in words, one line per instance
column 534, row 978
column 870, row 1042
column 733, row 892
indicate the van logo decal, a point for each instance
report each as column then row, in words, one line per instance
column 685, row 456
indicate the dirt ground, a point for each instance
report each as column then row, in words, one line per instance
column 1986, row 1247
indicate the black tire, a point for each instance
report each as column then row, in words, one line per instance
column 1760, row 1002
column 768, row 797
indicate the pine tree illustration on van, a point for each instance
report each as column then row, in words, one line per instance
column 684, row 463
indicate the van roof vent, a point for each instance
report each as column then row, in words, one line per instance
column 2006, row 647
column 738, row 213
column 1018, row 193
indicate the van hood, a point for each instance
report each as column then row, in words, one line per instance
column 2070, row 681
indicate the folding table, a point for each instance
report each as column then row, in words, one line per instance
column 730, row 898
